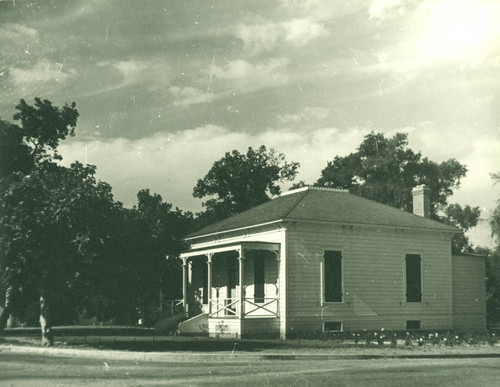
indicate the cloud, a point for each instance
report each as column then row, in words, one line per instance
column 307, row 114
column 16, row 33
column 265, row 35
column 249, row 76
column 170, row 164
column 133, row 71
column 42, row 72
column 189, row 95
column 383, row 9
column 437, row 32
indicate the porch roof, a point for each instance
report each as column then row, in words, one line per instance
column 235, row 246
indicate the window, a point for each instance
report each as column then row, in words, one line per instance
column 259, row 264
column 333, row 276
column 412, row 324
column 413, row 278
column 332, row 326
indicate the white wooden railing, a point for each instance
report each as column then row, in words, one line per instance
column 229, row 307
column 224, row 307
column 267, row 308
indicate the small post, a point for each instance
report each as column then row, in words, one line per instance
column 209, row 282
column 184, row 286
column 241, row 260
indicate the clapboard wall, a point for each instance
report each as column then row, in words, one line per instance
column 374, row 287
column 469, row 293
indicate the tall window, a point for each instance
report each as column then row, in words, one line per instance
column 413, row 278
column 333, row 276
column 259, row 263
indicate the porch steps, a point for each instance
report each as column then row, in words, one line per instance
column 195, row 325
column 169, row 324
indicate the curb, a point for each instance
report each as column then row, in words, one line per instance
column 180, row 357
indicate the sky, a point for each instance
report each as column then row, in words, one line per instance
column 165, row 88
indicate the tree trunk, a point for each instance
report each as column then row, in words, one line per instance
column 46, row 322
column 8, row 307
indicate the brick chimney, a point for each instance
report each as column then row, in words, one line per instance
column 421, row 201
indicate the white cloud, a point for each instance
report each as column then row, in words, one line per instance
column 42, row 72
column 382, row 9
column 189, row 95
column 170, row 164
column 247, row 75
column 307, row 114
column 154, row 71
column 265, row 35
column 18, row 32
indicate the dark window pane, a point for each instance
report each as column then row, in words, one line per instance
column 332, row 326
column 413, row 278
column 259, row 278
column 413, row 324
column 333, row 276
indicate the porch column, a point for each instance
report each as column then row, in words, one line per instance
column 209, row 282
column 278, row 261
column 185, row 286
column 241, row 261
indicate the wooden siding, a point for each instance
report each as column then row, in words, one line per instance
column 261, row 328
column 469, row 293
column 374, row 289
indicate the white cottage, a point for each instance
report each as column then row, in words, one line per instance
column 323, row 259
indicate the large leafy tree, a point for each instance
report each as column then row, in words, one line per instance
column 44, row 125
column 130, row 272
column 37, row 204
column 386, row 169
column 52, row 224
column 15, row 155
column 166, row 227
column 239, row 181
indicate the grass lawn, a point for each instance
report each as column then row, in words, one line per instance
column 27, row 369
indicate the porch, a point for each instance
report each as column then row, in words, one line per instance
column 231, row 290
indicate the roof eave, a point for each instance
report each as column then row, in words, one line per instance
column 189, row 238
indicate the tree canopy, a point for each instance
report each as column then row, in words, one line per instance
column 386, row 169
column 44, row 125
column 238, row 181
column 65, row 241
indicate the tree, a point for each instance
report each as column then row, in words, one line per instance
column 385, row 170
column 238, row 181
column 166, row 227
column 23, row 149
column 465, row 218
column 15, row 155
column 44, row 125
column 52, row 224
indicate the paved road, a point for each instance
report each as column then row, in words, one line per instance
column 35, row 369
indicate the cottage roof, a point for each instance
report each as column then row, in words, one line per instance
column 323, row 205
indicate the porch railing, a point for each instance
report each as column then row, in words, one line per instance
column 267, row 308
column 224, row 307
column 229, row 307
column 171, row 307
